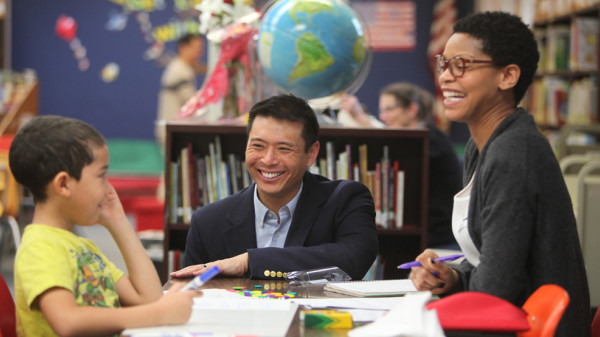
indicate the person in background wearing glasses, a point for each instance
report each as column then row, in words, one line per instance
column 405, row 105
column 514, row 219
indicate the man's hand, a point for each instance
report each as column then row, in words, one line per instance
column 233, row 266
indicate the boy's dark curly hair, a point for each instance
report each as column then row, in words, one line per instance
column 507, row 40
column 47, row 145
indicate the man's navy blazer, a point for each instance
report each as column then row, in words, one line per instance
column 333, row 225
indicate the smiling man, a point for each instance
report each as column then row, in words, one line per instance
column 289, row 219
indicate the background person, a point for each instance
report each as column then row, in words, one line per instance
column 178, row 81
column 514, row 219
column 289, row 219
column 64, row 285
column 405, row 105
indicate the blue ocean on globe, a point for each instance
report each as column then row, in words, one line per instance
column 311, row 48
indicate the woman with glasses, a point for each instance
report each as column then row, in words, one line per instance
column 405, row 105
column 514, row 219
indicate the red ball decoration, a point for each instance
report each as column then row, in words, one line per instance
column 66, row 27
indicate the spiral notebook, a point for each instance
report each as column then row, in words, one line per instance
column 372, row 288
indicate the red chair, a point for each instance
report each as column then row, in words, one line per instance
column 8, row 318
column 545, row 308
column 596, row 324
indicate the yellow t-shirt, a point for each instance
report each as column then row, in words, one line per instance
column 51, row 257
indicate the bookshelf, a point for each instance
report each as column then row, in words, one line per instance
column 409, row 147
column 22, row 105
column 565, row 88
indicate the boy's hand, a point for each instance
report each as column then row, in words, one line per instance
column 111, row 210
column 176, row 306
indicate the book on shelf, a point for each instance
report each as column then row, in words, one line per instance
column 583, row 102
column 398, row 197
column 385, row 186
column 186, row 186
column 377, row 195
column 330, row 160
column 549, row 100
column 584, row 44
column 362, row 164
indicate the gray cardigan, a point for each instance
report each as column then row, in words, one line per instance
column 521, row 221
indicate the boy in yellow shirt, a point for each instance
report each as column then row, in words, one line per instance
column 64, row 285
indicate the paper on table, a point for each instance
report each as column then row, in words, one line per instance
column 222, row 312
column 408, row 318
column 380, row 303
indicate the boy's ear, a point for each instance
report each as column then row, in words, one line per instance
column 61, row 184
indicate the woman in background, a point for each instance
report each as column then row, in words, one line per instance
column 405, row 105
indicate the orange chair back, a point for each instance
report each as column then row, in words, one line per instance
column 596, row 324
column 8, row 318
column 545, row 308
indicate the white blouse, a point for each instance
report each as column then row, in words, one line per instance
column 460, row 221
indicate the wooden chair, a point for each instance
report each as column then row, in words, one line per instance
column 545, row 308
column 596, row 324
column 8, row 319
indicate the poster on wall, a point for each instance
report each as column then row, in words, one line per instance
column 391, row 24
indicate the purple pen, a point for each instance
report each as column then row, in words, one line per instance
column 440, row 259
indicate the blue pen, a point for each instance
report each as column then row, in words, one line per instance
column 441, row 259
column 201, row 279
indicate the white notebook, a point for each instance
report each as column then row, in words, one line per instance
column 372, row 288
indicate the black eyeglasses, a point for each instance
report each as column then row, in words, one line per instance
column 457, row 64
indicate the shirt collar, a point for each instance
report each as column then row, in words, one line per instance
column 260, row 210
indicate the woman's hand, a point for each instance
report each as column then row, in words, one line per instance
column 433, row 275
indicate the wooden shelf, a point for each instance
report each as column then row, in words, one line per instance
column 410, row 147
column 28, row 104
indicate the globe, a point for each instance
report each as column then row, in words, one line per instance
column 312, row 48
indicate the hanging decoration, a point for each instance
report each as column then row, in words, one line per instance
column 66, row 28
column 227, row 89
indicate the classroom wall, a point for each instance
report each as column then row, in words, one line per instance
column 126, row 107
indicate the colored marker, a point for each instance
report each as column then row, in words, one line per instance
column 201, row 279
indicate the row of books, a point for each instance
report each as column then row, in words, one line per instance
column 200, row 179
column 568, row 47
column 385, row 181
column 555, row 101
column 550, row 9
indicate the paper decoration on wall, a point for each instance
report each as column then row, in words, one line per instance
column 116, row 21
column 156, row 50
column 234, row 48
column 110, row 72
column 137, row 5
column 66, row 28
